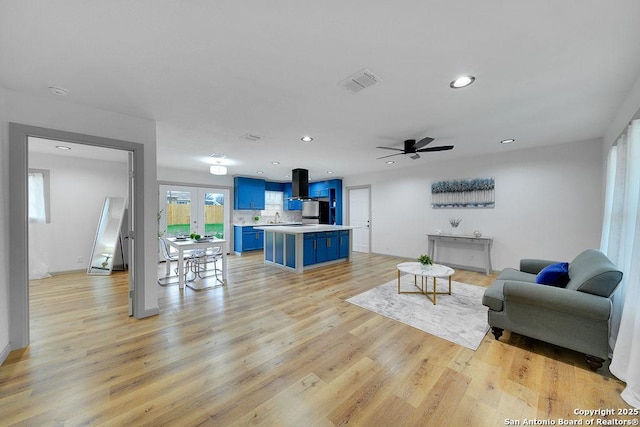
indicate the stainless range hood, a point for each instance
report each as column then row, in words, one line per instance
column 300, row 184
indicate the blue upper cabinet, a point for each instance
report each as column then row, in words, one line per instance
column 248, row 193
column 330, row 190
column 290, row 205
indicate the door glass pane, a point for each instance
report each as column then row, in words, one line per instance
column 178, row 213
column 214, row 214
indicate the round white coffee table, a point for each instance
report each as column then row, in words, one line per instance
column 417, row 269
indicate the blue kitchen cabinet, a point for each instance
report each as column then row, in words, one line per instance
column 343, row 244
column 290, row 205
column 279, row 255
column 291, row 250
column 319, row 189
column 269, row 254
column 246, row 238
column 248, row 193
column 309, row 249
column 330, row 190
column 327, row 246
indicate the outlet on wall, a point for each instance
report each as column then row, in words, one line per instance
column 79, row 260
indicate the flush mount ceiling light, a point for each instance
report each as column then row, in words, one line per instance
column 259, row 172
column 507, row 141
column 275, row 163
column 462, row 81
column 217, row 156
column 218, row 170
column 60, row 91
column 306, row 139
column 63, row 147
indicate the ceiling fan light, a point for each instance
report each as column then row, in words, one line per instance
column 218, row 170
column 462, row 81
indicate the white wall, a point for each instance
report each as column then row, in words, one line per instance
column 55, row 113
column 199, row 175
column 548, row 204
column 78, row 188
column 4, row 230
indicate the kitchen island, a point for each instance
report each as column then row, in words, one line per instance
column 301, row 247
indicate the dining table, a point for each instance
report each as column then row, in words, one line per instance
column 187, row 244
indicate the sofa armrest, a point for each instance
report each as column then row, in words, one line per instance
column 534, row 266
column 557, row 299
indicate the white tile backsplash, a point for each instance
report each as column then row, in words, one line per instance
column 242, row 217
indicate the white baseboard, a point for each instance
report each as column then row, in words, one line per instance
column 5, row 353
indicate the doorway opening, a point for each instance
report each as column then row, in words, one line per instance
column 19, row 135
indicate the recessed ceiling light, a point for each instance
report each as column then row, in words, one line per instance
column 329, row 172
column 462, row 81
column 390, row 162
column 259, row 172
column 218, row 170
column 60, row 91
column 63, row 147
column 507, row 141
column 275, row 163
column 217, row 155
column 287, row 176
column 306, row 139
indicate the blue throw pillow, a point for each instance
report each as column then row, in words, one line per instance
column 554, row 275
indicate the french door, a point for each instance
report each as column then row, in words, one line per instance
column 202, row 210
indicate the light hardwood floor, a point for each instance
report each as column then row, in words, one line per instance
column 278, row 349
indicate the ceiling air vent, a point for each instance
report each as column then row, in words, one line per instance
column 252, row 137
column 360, row 80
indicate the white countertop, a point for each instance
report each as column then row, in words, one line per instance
column 265, row 224
column 301, row 229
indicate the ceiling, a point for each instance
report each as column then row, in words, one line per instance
column 210, row 72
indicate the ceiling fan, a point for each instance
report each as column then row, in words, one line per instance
column 412, row 148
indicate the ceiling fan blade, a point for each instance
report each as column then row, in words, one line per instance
column 441, row 148
column 389, row 148
column 423, row 142
column 390, row 155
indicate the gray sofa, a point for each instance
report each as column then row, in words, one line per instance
column 575, row 317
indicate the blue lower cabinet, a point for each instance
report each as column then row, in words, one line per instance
column 343, row 244
column 268, row 247
column 309, row 249
column 327, row 246
column 291, row 250
column 246, row 238
column 279, row 248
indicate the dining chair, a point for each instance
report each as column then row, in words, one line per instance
column 169, row 257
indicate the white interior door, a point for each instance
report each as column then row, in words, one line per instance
column 360, row 217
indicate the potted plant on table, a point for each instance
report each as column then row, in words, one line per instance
column 426, row 261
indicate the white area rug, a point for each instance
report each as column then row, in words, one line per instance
column 460, row 317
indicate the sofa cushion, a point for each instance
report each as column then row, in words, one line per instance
column 554, row 275
column 592, row 272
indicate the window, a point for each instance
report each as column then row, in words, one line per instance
column 39, row 196
column 272, row 203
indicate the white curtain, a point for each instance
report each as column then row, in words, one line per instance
column 621, row 243
column 38, row 229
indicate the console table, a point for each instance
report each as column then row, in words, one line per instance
column 486, row 243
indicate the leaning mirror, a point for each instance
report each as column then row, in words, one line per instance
column 108, row 242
